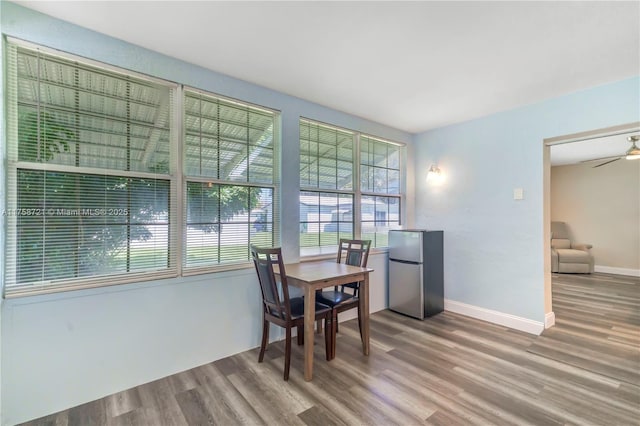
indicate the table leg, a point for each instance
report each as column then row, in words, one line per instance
column 309, row 320
column 364, row 312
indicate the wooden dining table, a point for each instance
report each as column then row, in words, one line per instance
column 312, row 276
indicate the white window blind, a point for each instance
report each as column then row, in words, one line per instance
column 89, row 174
column 230, row 166
column 326, row 178
column 380, row 186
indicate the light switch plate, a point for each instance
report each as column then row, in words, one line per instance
column 518, row 194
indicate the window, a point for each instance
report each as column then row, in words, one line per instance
column 230, row 171
column 326, row 179
column 89, row 174
column 380, row 188
column 330, row 200
column 103, row 190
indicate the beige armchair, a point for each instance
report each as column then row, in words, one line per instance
column 568, row 257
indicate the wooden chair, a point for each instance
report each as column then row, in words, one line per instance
column 355, row 253
column 279, row 309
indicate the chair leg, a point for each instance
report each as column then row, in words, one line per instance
column 300, row 335
column 265, row 339
column 359, row 321
column 327, row 337
column 319, row 326
column 287, row 353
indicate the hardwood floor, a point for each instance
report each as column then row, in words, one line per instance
column 446, row 370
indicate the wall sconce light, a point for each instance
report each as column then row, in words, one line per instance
column 434, row 175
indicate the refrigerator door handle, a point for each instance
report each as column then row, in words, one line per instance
column 405, row 261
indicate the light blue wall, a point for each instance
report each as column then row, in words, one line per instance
column 62, row 350
column 493, row 244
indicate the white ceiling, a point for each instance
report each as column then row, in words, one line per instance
column 409, row 65
column 591, row 149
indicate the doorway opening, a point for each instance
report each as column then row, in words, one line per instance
column 622, row 131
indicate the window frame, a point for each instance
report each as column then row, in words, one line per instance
column 274, row 186
column 14, row 165
column 358, row 194
column 402, row 176
column 319, row 190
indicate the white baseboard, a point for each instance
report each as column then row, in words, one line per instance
column 549, row 320
column 496, row 317
column 617, row 271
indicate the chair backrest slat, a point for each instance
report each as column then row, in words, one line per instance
column 354, row 258
column 269, row 287
column 354, row 252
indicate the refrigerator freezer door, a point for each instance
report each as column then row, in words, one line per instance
column 406, row 245
column 405, row 289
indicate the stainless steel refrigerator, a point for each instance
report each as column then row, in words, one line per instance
column 416, row 278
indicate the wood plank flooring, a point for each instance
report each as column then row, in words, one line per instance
column 446, row 370
column 598, row 325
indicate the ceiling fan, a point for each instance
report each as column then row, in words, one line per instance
column 632, row 153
